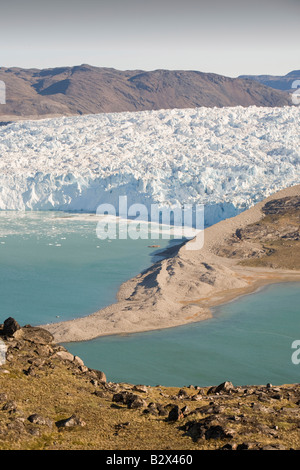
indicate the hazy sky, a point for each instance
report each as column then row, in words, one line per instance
column 228, row 37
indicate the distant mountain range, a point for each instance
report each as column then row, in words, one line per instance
column 86, row 89
column 283, row 83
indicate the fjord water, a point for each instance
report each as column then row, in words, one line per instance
column 54, row 268
column 53, row 265
column 248, row 341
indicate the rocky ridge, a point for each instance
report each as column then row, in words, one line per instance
column 50, row 400
column 84, row 89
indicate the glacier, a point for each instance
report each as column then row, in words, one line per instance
column 225, row 158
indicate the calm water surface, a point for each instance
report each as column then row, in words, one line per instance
column 247, row 342
column 52, row 265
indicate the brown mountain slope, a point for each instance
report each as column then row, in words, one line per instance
column 86, row 90
column 278, row 82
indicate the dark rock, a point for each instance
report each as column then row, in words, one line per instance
column 175, row 413
column 195, row 429
column 121, row 426
column 40, row 420
column 277, row 396
column 152, row 409
column 10, row 406
column 217, row 432
column 33, row 431
column 137, row 403
column 182, row 394
column 37, row 335
column 225, row 387
column 17, row 426
column 140, row 388
column 113, row 388
column 229, row 447
column 30, row 371
column 44, row 350
column 281, row 206
column 10, row 326
column 99, row 375
column 70, row 422
column 244, row 446
column 124, row 397
column 185, row 410
column 156, row 409
column 208, row 428
column 130, row 399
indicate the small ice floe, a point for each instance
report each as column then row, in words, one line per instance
column 3, row 349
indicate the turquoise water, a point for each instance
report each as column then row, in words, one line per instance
column 247, row 342
column 53, row 265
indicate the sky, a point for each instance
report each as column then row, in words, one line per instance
column 231, row 37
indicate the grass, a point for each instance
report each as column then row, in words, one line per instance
column 59, row 392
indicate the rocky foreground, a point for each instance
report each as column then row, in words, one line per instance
column 50, row 400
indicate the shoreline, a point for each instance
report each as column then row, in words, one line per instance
column 210, row 313
column 182, row 287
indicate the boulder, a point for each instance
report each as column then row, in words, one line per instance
column 99, row 375
column 70, row 422
column 10, row 406
column 217, row 432
column 37, row 335
column 64, row 356
column 78, row 361
column 40, row 420
column 130, row 399
column 175, row 414
column 137, row 403
column 224, row 387
column 140, row 388
column 10, row 326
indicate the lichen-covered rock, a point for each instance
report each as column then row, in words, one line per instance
column 40, row 420
column 70, row 422
column 37, row 335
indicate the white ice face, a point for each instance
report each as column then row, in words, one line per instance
column 226, row 158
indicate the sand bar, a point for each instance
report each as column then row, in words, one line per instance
column 182, row 288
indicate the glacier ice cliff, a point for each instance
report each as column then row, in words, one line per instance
column 227, row 159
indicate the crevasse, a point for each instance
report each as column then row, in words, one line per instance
column 227, row 159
